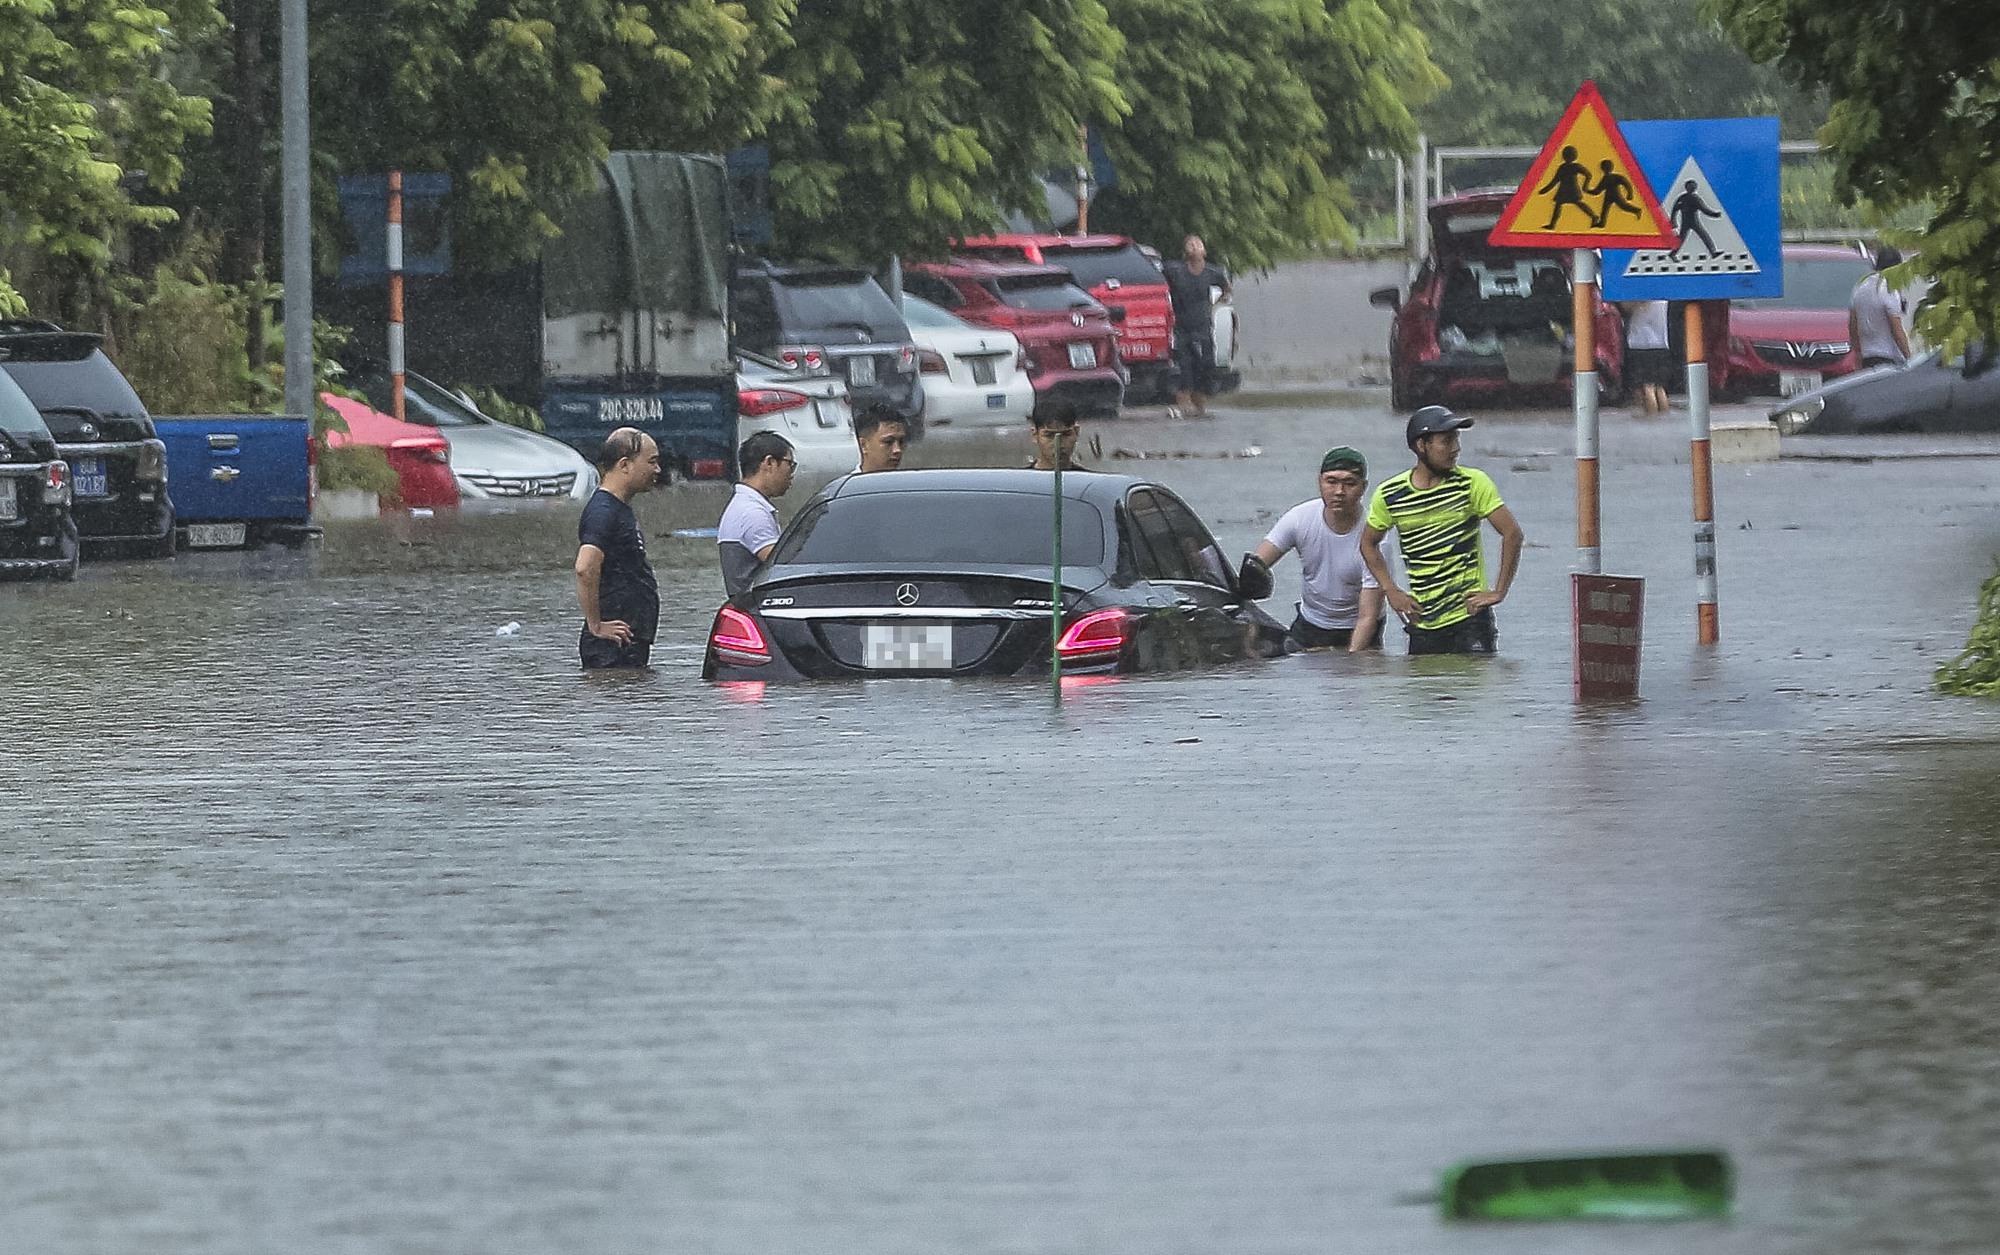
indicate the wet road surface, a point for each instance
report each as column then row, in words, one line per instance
column 335, row 922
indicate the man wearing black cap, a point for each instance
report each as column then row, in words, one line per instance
column 1341, row 605
column 1435, row 509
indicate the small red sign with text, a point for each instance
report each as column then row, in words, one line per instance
column 1605, row 613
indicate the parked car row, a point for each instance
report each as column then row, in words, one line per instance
column 1480, row 323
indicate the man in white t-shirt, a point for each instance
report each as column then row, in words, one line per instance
column 748, row 531
column 1342, row 604
column 1875, row 315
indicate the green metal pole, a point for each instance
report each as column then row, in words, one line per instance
column 1055, row 585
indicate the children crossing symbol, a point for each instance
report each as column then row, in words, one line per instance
column 1708, row 241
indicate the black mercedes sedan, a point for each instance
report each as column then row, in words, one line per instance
column 1930, row 393
column 947, row 573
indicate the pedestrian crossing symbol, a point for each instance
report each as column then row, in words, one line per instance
column 1718, row 178
column 1584, row 189
column 1709, row 243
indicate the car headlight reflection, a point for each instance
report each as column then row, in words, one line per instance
column 1796, row 418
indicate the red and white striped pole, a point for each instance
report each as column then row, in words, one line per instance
column 396, row 367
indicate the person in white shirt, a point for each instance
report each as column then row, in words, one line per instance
column 1342, row 604
column 1648, row 356
column 1875, row 315
column 748, row 531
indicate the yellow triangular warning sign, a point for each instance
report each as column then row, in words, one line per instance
column 1584, row 190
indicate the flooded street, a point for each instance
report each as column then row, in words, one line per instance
column 335, row 922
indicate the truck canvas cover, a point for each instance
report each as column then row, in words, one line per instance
column 653, row 233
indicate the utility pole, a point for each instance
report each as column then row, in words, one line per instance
column 297, row 202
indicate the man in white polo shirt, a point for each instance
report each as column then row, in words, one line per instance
column 749, row 527
column 1342, row 605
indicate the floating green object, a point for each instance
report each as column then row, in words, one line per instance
column 1629, row 1185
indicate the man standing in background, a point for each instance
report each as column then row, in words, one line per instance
column 1188, row 283
column 749, row 527
column 1875, row 315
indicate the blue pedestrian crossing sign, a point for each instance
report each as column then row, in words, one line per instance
column 1718, row 182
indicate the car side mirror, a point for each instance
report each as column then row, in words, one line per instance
column 1386, row 298
column 1253, row 579
column 1117, row 312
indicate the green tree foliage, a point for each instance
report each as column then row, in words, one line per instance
column 84, row 103
column 1914, row 121
column 908, row 122
column 1976, row 671
column 1513, row 66
column 517, row 98
column 1246, row 114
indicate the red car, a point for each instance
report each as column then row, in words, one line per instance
column 1116, row 271
column 1786, row 345
column 1066, row 336
column 1484, row 323
column 420, row 455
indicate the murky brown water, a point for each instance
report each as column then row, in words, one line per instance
column 334, row 922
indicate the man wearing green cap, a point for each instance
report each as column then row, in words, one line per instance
column 1341, row 606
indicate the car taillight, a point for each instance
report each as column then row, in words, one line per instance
column 757, row 402
column 906, row 359
column 1097, row 637
column 55, row 487
column 803, row 356
column 1022, row 362
column 737, row 638
column 428, row 448
column 931, row 362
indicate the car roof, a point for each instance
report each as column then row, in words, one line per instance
column 803, row 269
column 1101, row 240
column 1823, row 252
column 1090, row 486
column 972, row 268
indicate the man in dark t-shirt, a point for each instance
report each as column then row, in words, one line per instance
column 614, row 581
column 1188, row 284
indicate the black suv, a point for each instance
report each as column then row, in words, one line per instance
column 834, row 319
column 117, row 464
column 37, row 534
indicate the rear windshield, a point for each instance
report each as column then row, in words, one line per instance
column 85, row 379
column 991, row 252
column 979, row 529
column 1094, row 266
column 1816, row 283
column 17, row 413
column 1040, row 292
column 838, row 300
column 921, row 313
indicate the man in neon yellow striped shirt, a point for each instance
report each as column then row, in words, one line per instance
column 1435, row 509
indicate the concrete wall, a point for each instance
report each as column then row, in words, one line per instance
column 1310, row 322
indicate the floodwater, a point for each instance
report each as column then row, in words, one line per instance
column 334, row 922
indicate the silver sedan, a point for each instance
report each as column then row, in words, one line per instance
column 491, row 460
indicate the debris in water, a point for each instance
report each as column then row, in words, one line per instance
column 1188, row 740
column 510, row 628
column 1251, row 451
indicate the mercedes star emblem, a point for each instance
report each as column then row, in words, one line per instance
column 906, row 594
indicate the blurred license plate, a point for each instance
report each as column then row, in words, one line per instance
column 996, row 400
column 1082, row 356
column 982, row 370
column 90, row 479
column 215, row 535
column 10, row 503
column 861, row 371
column 1793, row 383
column 907, row 646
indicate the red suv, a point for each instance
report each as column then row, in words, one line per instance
column 1118, row 273
column 1066, row 336
column 1483, row 323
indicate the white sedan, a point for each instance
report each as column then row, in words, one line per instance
column 808, row 408
column 971, row 375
